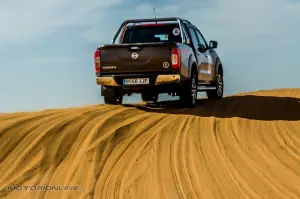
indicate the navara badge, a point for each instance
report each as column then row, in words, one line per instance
column 166, row 64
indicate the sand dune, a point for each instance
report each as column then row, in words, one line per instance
column 244, row 146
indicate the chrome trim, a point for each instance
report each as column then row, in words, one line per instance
column 204, row 88
column 162, row 79
column 106, row 81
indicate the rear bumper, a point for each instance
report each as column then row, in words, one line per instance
column 160, row 79
column 106, row 81
column 163, row 83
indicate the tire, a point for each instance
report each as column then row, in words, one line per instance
column 112, row 97
column 150, row 98
column 218, row 92
column 188, row 94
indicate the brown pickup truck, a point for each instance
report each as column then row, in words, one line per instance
column 161, row 55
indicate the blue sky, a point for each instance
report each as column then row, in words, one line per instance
column 46, row 47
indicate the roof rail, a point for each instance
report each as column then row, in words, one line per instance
column 150, row 20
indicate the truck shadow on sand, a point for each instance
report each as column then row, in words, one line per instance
column 248, row 107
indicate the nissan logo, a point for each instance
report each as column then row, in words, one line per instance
column 134, row 55
column 166, row 64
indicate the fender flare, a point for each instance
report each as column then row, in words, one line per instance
column 217, row 65
column 192, row 60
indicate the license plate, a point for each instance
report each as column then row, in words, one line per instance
column 136, row 81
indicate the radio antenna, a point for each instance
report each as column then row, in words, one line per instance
column 154, row 14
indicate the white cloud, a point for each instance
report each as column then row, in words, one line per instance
column 241, row 19
column 25, row 21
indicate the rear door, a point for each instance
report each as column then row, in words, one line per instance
column 200, row 56
column 207, row 70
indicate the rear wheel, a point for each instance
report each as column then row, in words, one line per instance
column 188, row 94
column 112, row 96
column 150, row 97
column 218, row 92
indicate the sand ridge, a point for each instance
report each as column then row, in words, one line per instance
column 244, row 146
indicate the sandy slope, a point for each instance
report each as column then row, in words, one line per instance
column 245, row 146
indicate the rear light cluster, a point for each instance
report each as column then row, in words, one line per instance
column 175, row 57
column 97, row 60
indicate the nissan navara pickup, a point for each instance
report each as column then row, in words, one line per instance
column 161, row 55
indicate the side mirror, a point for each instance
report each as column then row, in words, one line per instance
column 213, row 44
column 201, row 48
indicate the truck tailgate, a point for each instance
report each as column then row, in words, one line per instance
column 135, row 58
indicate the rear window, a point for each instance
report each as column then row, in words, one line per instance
column 153, row 33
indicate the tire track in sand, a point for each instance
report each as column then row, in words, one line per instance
column 127, row 160
column 183, row 185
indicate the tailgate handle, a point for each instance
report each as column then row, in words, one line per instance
column 135, row 48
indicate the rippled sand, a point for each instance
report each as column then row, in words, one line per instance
column 244, row 146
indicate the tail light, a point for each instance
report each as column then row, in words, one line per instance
column 97, row 60
column 175, row 57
